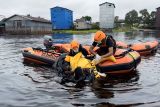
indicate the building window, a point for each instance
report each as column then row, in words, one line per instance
column 17, row 24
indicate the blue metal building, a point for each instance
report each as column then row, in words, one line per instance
column 61, row 18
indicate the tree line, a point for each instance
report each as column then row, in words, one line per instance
column 142, row 19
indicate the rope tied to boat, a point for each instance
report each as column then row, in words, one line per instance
column 123, row 54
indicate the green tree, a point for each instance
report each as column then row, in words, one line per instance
column 116, row 21
column 145, row 17
column 152, row 18
column 87, row 18
column 131, row 18
column 116, row 18
column 95, row 25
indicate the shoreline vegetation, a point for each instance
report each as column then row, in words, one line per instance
column 123, row 29
column 75, row 31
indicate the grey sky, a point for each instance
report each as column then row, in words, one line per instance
column 79, row 7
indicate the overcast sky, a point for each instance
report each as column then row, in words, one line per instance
column 79, row 7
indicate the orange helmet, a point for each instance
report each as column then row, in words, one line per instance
column 99, row 36
column 74, row 44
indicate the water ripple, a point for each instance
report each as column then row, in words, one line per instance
column 31, row 85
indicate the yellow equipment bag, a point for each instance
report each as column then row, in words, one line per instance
column 78, row 61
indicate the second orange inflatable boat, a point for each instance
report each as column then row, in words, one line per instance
column 40, row 56
column 146, row 48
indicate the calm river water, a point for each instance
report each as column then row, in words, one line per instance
column 30, row 85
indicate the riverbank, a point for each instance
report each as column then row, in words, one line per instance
column 123, row 29
column 74, row 31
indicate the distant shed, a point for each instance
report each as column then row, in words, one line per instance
column 82, row 24
column 20, row 24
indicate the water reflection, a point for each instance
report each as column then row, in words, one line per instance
column 105, row 89
column 135, row 37
column 102, row 92
column 39, row 74
column 85, row 39
column 62, row 38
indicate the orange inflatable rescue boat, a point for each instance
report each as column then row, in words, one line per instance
column 126, row 60
column 40, row 56
column 146, row 48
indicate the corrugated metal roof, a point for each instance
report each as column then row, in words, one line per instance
column 62, row 8
column 38, row 19
column 107, row 3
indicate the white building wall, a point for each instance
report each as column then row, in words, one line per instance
column 106, row 15
column 82, row 25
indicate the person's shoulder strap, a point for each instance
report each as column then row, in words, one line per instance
column 111, row 38
column 114, row 43
column 80, row 47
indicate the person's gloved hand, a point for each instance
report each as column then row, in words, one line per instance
column 97, row 57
